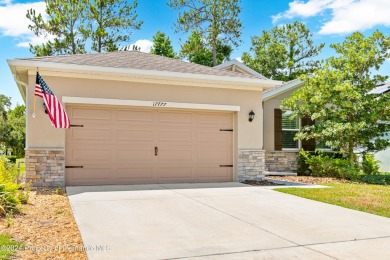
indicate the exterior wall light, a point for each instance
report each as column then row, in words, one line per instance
column 251, row 116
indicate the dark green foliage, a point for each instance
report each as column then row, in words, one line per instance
column 370, row 166
column 195, row 50
column 110, row 22
column 162, row 45
column 65, row 22
column 326, row 165
column 283, row 53
column 337, row 96
column 218, row 21
column 380, row 179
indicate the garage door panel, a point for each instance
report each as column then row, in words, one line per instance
column 133, row 155
column 214, row 137
column 91, row 113
column 175, row 172
column 136, row 173
column 214, row 172
column 175, row 155
column 218, row 156
column 135, row 115
column 175, row 135
column 134, row 134
column 175, row 117
column 120, row 148
column 91, row 134
column 214, row 119
column 91, row 155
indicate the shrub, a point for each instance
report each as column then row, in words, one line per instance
column 381, row 179
column 8, row 198
column 370, row 166
column 8, row 171
column 329, row 165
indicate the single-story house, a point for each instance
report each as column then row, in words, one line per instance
column 142, row 118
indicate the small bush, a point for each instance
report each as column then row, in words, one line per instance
column 8, row 171
column 8, row 198
column 370, row 166
column 329, row 165
column 12, row 159
column 380, row 179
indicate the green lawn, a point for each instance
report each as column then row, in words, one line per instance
column 374, row 199
column 6, row 247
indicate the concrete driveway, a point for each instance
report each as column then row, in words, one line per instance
column 221, row 221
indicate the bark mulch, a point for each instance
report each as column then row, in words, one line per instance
column 310, row 179
column 46, row 228
column 260, row 183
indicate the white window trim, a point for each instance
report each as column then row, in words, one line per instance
column 299, row 140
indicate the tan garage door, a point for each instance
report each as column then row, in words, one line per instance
column 114, row 145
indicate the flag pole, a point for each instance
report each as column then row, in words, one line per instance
column 35, row 99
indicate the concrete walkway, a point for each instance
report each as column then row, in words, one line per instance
column 221, row 221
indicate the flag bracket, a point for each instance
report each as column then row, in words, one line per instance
column 76, row 125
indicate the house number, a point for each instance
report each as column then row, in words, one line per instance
column 159, row 104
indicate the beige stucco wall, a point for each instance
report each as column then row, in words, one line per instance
column 269, row 106
column 42, row 134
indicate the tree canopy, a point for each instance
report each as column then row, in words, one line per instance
column 217, row 20
column 196, row 50
column 337, row 96
column 105, row 23
column 111, row 22
column 12, row 126
column 65, row 22
column 283, row 53
column 162, row 45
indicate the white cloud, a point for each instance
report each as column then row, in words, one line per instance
column 13, row 21
column 238, row 59
column 144, row 44
column 346, row 16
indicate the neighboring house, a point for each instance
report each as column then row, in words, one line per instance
column 142, row 118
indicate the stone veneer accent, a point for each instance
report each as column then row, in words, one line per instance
column 281, row 161
column 45, row 167
column 251, row 165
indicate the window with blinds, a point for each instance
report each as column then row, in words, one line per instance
column 290, row 128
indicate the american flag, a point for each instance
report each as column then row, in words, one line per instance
column 57, row 113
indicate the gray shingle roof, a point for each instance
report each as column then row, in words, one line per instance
column 137, row 60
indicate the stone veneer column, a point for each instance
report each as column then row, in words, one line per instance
column 251, row 165
column 45, row 167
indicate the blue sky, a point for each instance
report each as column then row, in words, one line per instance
column 330, row 21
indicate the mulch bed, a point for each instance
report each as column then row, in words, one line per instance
column 46, row 228
column 260, row 183
column 309, row 179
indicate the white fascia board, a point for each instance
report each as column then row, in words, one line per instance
column 280, row 90
column 143, row 103
column 52, row 66
column 241, row 66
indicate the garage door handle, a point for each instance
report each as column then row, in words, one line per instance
column 155, row 150
column 74, row 166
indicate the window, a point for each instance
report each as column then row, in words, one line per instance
column 290, row 128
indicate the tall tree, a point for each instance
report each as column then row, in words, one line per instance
column 16, row 128
column 110, row 22
column 349, row 117
column 65, row 20
column 5, row 104
column 162, row 45
column 196, row 50
column 283, row 53
column 216, row 19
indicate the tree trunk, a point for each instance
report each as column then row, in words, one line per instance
column 351, row 154
column 214, row 55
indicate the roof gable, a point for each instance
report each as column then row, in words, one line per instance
column 236, row 66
